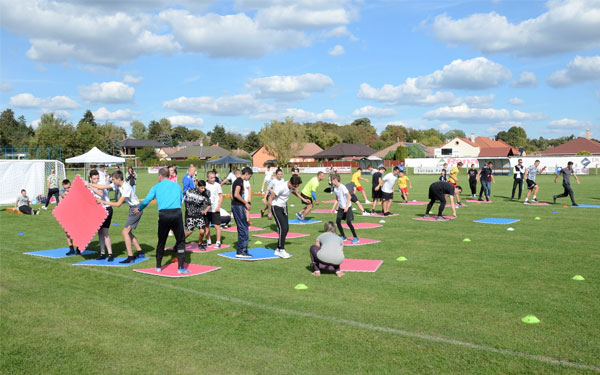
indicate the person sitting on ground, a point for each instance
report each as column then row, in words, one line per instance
column 328, row 251
column 23, row 202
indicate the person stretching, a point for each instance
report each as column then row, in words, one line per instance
column 567, row 173
column 356, row 177
column 343, row 204
column 280, row 194
column 439, row 191
column 328, row 251
column 530, row 173
column 402, row 185
column 352, row 189
column 309, row 194
column 52, row 188
column 168, row 195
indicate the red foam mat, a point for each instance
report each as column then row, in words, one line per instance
column 362, row 225
column 360, row 265
column 250, row 228
column 276, row 235
column 170, row 270
column 192, row 247
column 361, row 241
column 432, row 218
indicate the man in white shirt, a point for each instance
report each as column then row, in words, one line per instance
column 216, row 199
column 268, row 177
column 387, row 190
column 343, row 204
column 127, row 196
column 233, row 174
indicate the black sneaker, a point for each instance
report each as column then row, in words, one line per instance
column 480, row 200
column 71, row 252
column 554, row 199
column 243, row 254
column 202, row 247
column 128, row 260
column 101, row 257
column 575, row 205
column 140, row 254
column 110, row 258
column 534, row 200
column 386, row 214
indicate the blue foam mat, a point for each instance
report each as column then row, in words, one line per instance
column 114, row 263
column 57, row 253
column 496, row 220
column 258, row 253
column 305, row 221
column 588, row 205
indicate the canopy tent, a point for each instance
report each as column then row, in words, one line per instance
column 228, row 160
column 95, row 156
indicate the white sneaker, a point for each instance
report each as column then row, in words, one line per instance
column 277, row 253
column 44, row 208
column 217, row 245
column 367, row 201
column 525, row 202
column 209, row 243
column 365, row 213
column 283, row 254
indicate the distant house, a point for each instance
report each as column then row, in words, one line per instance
column 494, row 148
column 574, row 146
column 261, row 157
column 345, row 151
column 202, row 152
column 382, row 153
column 130, row 145
column 458, row 147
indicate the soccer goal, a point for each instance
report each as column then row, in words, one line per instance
column 31, row 175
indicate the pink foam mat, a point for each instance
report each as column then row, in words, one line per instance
column 79, row 214
column 382, row 215
column 476, row 201
column 329, row 201
column 360, row 265
column 361, row 241
column 538, row 204
column 170, row 270
column 250, row 228
column 192, row 247
column 418, row 203
column 320, row 211
column 362, row 226
column 432, row 218
column 254, row 216
column 276, row 235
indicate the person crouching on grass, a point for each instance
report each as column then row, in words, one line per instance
column 197, row 205
column 439, row 191
column 328, row 251
column 66, row 185
column 343, row 204
column 128, row 196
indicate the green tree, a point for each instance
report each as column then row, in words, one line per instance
column 515, row 136
column 451, row 134
column 88, row 118
column 330, row 139
column 88, row 135
column 196, row 135
column 401, row 153
column 138, row 130
column 252, row 142
column 14, row 132
column 179, row 134
column 282, row 139
column 415, row 151
column 146, row 154
column 391, row 155
column 113, row 135
column 56, row 132
column 232, row 141
column 392, row 134
column 217, row 135
column 584, row 153
column 160, row 130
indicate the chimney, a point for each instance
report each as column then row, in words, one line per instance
column 397, row 139
column 473, row 137
column 588, row 135
column 414, row 141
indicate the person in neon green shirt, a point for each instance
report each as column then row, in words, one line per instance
column 356, row 177
column 309, row 192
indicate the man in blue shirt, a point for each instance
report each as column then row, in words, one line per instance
column 168, row 196
column 188, row 179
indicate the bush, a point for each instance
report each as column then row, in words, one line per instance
column 401, row 153
column 584, row 153
column 193, row 158
column 390, row 156
column 415, row 151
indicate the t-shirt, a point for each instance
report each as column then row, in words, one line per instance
column 454, row 174
column 22, row 200
column 196, row 202
column 173, row 178
column 272, row 183
column 282, row 193
column 350, row 186
column 246, row 193
column 103, row 197
column 375, row 180
column 102, row 180
column 188, row 183
column 237, row 184
column 131, row 179
column 472, row 174
column 443, row 175
column 342, row 198
column 355, row 178
column 402, row 181
column 268, row 175
column 295, row 170
column 311, row 185
column 52, row 181
column 486, row 174
column 388, row 183
column 518, row 172
column 566, row 174
column 230, row 177
column 331, row 248
column 442, row 188
column 532, row 171
column 127, row 191
column 215, row 191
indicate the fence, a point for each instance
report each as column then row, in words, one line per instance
column 38, row 153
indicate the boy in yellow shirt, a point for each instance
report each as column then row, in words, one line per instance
column 356, row 177
column 402, row 181
column 453, row 179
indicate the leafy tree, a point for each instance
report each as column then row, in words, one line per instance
column 113, row 135
column 196, row 135
column 88, row 118
column 232, row 141
column 282, row 139
column 451, row 134
column 158, row 130
column 391, row 155
column 365, row 122
column 179, row 134
column 415, row 151
column 401, row 153
column 515, row 136
column 252, row 142
column 315, row 134
column 330, row 139
column 138, row 130
column 56, row 132
column 146, row 154
column 217, row 135
column 88, row 135
column 14, row 132
column 392, row 134
column 431, row 140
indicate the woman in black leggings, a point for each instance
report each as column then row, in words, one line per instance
column 52, row 188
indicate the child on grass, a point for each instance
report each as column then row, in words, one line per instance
column 197, row 206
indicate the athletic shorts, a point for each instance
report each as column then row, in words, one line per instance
column 353, row 198
column 453, row 183
column 108, row 219
column 213, row 218
column 305, row 197
column 348, row 216
column 404, row 190
column 387, row 196
column 530, row 184
column 133, row 219
column 376, row 194
column 360, row 188
column 195, row 222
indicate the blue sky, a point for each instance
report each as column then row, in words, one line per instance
column 479, row 66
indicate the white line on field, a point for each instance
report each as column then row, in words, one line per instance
column 350, row 323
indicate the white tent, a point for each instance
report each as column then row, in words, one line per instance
column 95, row 156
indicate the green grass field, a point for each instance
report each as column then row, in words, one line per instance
column 451, row 308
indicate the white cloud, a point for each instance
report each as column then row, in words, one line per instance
column 567, row 123
column 464, row 113
column 186, row 120
column 131, row 79
column 338, row 50
column 61, row 31
column 107, row 92
column 304, row 15
column 474, row 74
column 579, row 70
column 35, row 123
column 289, row 87
column 405, row 94
column 297, row 114
column 516, row 101
column 484, row 101
column 566, row 26
column 526, row 79
column 370, row 111
column 103, row 114
column 27, row 100
column 224, row 106
column 6, row 87
column 444, row 127
column 61, row 114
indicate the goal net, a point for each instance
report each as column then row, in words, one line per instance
column 31, row 175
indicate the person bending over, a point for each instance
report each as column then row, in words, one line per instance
column 439, row 191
